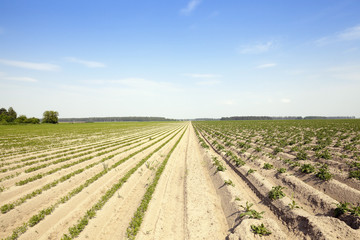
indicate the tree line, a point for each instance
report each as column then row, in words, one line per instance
column 10, row 117
column 284, row 118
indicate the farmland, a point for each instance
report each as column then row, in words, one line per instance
column 181, row 180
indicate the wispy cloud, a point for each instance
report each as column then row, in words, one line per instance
column 134, row 83
column 31, row 65
column 267, row 65
column 200, row 75
column 285, row 100
column 257, row 48
column 90, row 64
column 208, row 82
column 191, row 6
column 228, row 102
column 3, row 76
column 22, row 79
column 352, row 33
column 349, row 34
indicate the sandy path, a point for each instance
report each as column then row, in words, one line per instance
column 165, row 218
column 179, row 208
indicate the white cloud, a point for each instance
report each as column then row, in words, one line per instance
column 349, row 34
column 31, row 65
column 134, row 83
column 257, row 48
column 21, row 79
column 267, row 65
column 352, row 33
column 285, row 100
column 208, row 82
column 228, row 102
column 90, row 64
column 191, row 6
column 200, row 75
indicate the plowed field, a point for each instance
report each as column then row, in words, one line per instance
column 172, row 180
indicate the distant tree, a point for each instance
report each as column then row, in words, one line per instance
column 3, row 111
column 21, row 119
column 50, row 117
column 12, row 114
column 33, row 120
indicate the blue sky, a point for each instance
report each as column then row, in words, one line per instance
column 181, row 58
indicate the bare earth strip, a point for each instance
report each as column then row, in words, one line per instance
column 185, row 204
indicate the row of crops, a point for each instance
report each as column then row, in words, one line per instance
column 46, row 171
column 308, row 169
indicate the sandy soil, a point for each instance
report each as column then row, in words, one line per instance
column 180, row 208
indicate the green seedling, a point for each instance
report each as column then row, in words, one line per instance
column 229, row 182
column 268, row 166
column 250, row 212
column 276, row 193
column 260, row 229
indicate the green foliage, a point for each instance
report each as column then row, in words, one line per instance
column 345, row 207
column 260, row 229
column 250, row 212
column 50, row 117
column 277, row 150
column 301, row 155
column 276, row 193
column 218, row 164
column 268, row 166
column 238, row 161
column 293, row 204
column 341, row 208
column 250, row 171
column 281, row 170
column 307, row 168
column 324, row 154
column 354, row 174
column 324, row 173
column 229, row 182
column 355, row 210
